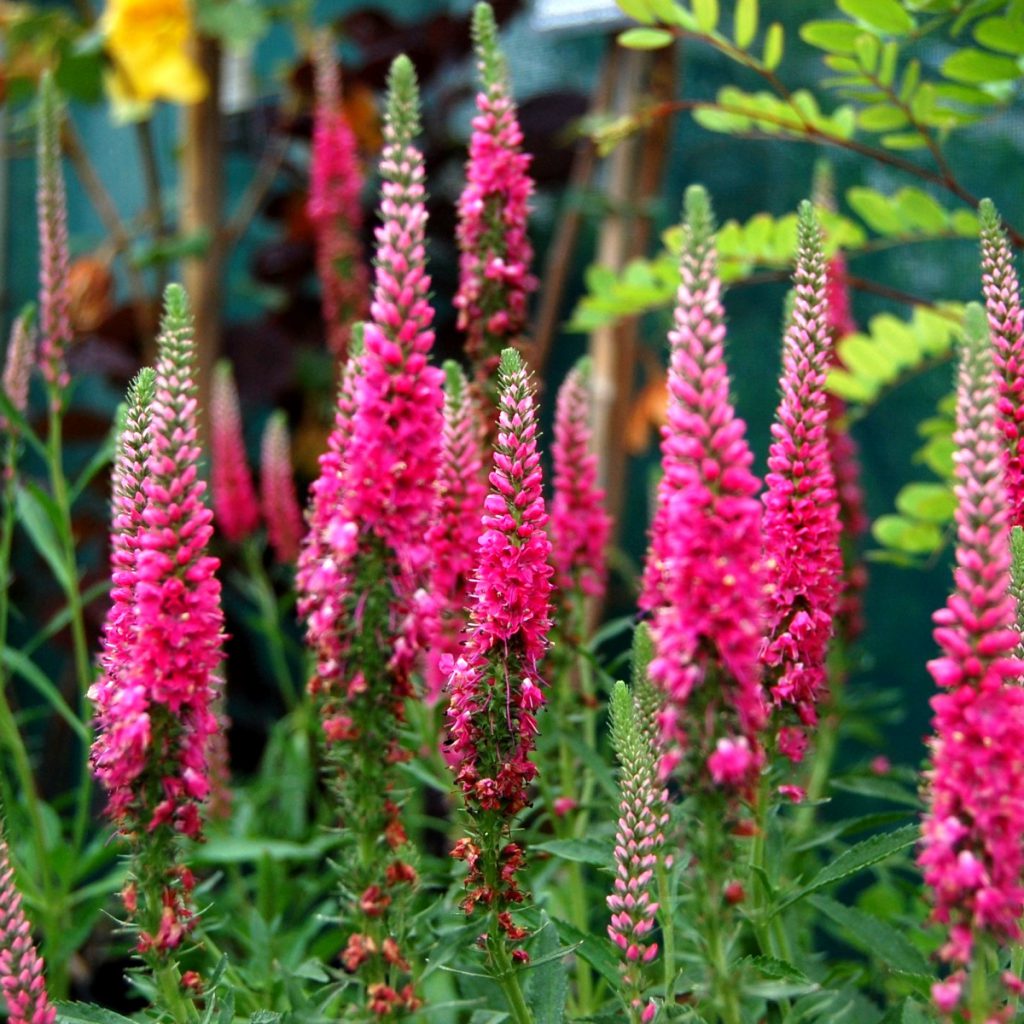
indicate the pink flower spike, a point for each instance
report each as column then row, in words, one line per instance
column 495, row 688
column 579, row 523
column 18, row 363
column 335, row 208
column 452, row 537
column 639, row 841
column 21, row 966
column 1006, row 323
column 54, row 259
column 277, row 491
column 702, row 579
column 494, row 265
column 971, row 850
column 235, row 506
column 803, row 563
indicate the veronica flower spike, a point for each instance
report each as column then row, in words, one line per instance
column 803, row 563
column 154, row 712
column 54, row 260
column 495, row 252
column 335, row 206
column 702, row 579
column 278, row 497
column 1001, row 287
column 235, row 505
column 495, row 687
column 972, row 845
column 21, row 966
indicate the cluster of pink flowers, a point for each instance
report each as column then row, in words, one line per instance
column 21, row 966
column 278, row 497
column 235, row 506
column 1006, row 322
column 452, row 537
column 18, row 364
column 495, row 686
column 54, row 259
column 639, row 842
column 579, row 523
column 972, row 853
column 803, row 563
column 154, row 700
column 335, row 208
column 702, row 580
column 494, row 265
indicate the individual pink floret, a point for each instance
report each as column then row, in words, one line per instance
column 803, row 563
column 972, row 854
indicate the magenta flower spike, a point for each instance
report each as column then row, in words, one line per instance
column 452, row 537
column 803, row 563
column 494, row 266
column 318, row 578
column 18, row 362
column 495, row 687
column 702, row 580
column 21, row 966
column 972, row 853
column 54, row 259
column 846, row 467
column 154, row 715
column 579, row 523
column 235, row 505
column 279, row 499
column 639, row 844
column 128, row 503
column 336, row 182
column 1001, row 287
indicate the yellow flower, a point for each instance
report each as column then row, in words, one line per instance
column 148, row 41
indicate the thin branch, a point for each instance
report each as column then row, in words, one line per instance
column 263, row 179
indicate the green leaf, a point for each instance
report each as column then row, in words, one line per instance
column 239, row 850
column 831, row 36
column 745, row 22
column 881, row 118
column 908, row 1012
column 850, row 387
column 40, row 682
column 921, row 211
column 932, row 503
column 646, row 38
column 596, row 950
column 855, row 860
column 874, row 936
column 238, row 23
column 868, row 51
column 36, row 513
column 774, row 42
column 706, row 12
column 582, row 851
column 548, row 987
column 88, row 1013
column 638, row 9
column 875, row 210
column 904, row 140
column 978, row 67
column 884, row 15
column 906, row 535
column 1003, row 34
column 868, row 360
column 102, row 457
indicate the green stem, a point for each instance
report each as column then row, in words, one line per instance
column 666, row 903
column 266, row 602
column 506, row 976
column 723, row 988
column 821, row 771
column 168, row 984
column 1016, row 969
column 979, row 995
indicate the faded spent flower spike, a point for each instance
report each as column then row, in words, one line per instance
column 18, row 362
column 278, row 496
